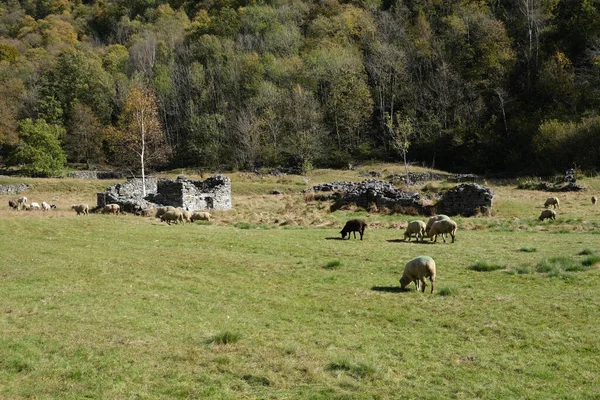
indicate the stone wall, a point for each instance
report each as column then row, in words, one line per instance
column 213, row 193
column 13, row 189
column 467, row 199
column 95, row 175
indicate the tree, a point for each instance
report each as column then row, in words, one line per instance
column 142, row 138
column 39, row 148
column 401, row 130
column 83, row 141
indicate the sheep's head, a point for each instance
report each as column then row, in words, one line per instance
column 344, row 234
column 404, row 281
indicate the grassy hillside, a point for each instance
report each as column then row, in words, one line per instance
column 267, row 302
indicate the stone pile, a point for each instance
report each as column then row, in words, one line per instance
column 212, row 193
column 467, row 199
column 414, row 177
column 370, row 191
column 13, row 189
column 95, row 175
column 463, row 178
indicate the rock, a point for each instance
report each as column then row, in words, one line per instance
column 466, row 199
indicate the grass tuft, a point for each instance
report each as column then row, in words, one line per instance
column 528, row 249
column 225, row 337
column 591, row 261
column 448, row 291
column 359, row 370
column 587, row 252
column 256, row 380
column 332, row 264
column 483, row 266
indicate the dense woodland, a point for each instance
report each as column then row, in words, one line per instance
column 478, row 86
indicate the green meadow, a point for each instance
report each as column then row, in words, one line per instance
column 266, row 301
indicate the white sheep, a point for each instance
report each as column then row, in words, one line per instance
column 172, row 216
column 34, row 206
column 160, row 211
column 416, row 270
column 594, row 200
column 552, row 201
column 80, row 208
column 146, row 212
column 22, row 201
column 200, row 216
column 187, row 215
column 441, row 227
column 550, row 214
column 111, row 209
column 416, row 228
column 433, row 219
column 45, row 206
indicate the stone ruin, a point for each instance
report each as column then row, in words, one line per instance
column 96, row 175
column 213, row 193
column 467, row 199
column 13, row 189
column 370, row 191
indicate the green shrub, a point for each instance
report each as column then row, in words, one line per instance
column 587, row 252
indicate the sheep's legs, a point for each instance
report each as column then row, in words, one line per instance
column 423, row 284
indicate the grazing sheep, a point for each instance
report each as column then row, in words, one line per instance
column 187, row 216
column 200, row 216
column 594, row 200
column 552, row 201
column 416, row 270
column 173, row 215
column 13, row 204
column 146, row 212
column 80, row 208
column 551, row 214
column 415, row 227
column 34, row 206
column 160, row 211
column 354, row 225
column 45, row 206
column 441, row 227
column 53, row 206
column 433, row 219
column 22, row 201
column 111, row 209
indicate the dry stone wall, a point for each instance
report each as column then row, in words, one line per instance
column 13, row 189
column 95, row 175
column 467, row 199
column 213, row 193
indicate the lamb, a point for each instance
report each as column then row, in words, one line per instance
column 160, row 211
column 45, row 206
column 594, row 200
column 441, row 227
column 416, row 270
column 170, row 216
column 111, row 209
column 552, row 201
column 551, row 214
column 200, row 216
column 80, row 208
column 415, row 227
column 13, row 204
column 34, row 206
column 354, row 225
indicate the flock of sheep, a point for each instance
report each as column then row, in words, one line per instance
column 22, row 203
column 166, row 214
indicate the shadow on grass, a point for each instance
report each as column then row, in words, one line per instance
column 402, row 241
column 333, row 238
column 389, row 289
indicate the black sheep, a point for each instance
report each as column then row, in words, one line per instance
column 354, row 225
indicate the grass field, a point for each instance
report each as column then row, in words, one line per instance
column 267, row 303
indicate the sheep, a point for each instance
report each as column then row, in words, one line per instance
column 22, row 201
column 34, row 206
column 146, row 212
column 80, row 208
column 354, row 225
column 552, row 201
column 161, row 210
column 415, row 227
column 441, row 227
column 200, row 216
column 187, row 216
column 111, row 209
column 53, row 206
column 13, row 204
column 551, row 214
column 594, row 200
column 173, row 215
column 45, row 206
column 416, row 270
column 433, row 219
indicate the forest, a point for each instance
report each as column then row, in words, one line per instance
column 485, row 86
